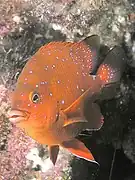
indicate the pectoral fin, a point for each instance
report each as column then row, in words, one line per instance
column 66, row 120
column 94, row 116
column 78, row 148
column 53, row 152
column 75, row 112
column 74, row 120
column 76, row 107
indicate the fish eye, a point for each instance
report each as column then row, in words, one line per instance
column 35, row 97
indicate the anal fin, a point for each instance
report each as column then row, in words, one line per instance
column 53, row 152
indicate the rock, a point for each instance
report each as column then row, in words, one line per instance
column 25, row 26
column 129, row 145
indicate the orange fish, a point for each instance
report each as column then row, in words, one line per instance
column 55, row 95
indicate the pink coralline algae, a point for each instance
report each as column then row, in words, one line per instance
column 4, row 29
column 3, row 94
column 4, row 124
column 14, row 144
column 13, row 161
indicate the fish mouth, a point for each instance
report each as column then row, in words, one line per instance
column 16, row 116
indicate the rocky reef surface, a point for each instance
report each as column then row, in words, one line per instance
column 25, row 25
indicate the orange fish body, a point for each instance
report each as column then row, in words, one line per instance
column 52, row 91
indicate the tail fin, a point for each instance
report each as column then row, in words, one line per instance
column 94, row 44
column 112, row 68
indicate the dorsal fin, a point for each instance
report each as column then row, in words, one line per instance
column 93, row 42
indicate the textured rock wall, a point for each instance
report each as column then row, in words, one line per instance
column 25, row 25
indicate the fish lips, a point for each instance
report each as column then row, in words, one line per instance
column 15, row 116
